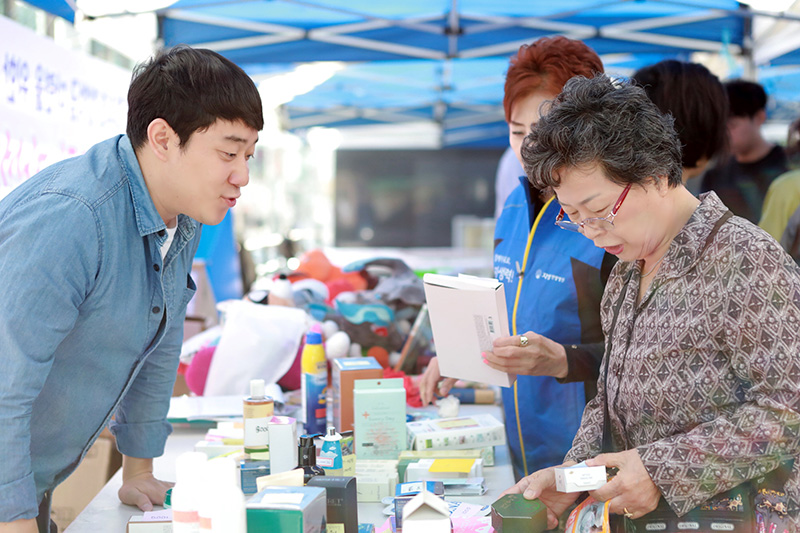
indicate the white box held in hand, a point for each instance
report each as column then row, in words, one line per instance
column 579, row 477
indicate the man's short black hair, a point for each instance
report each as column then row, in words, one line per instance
column 190, row 88
column 696, row 100
column 745, row 98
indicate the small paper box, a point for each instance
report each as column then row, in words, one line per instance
column 292, row 478
column 282, row 444
column 287, row 509
column 433, row 469
column 151, row 522
column 405, row 491
column 342, row 501
column 249, row 472
column 579, row 478
column 512, row 513
column 426, row 513
column 380, row 418
column 344, row 374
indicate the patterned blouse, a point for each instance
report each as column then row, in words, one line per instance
column 705, row 372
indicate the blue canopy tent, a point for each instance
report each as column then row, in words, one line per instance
column 444, row 60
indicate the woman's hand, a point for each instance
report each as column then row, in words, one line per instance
column 540, row 357
column 542, row 485
column 431, row 377
column 631, row 491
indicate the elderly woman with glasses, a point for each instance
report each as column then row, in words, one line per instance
column 699, row 390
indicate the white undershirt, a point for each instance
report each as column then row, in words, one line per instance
column 168, row 242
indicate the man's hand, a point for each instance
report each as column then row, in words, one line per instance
column 631, row 490
column 540, row 357
column 19, row 526
column 542, row 485
column 427, row 385
column 139, row 487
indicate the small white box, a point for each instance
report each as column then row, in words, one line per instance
column 579, row 477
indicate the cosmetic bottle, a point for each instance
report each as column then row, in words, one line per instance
column 258, row 410
column 307, row 458
column 330, row 457
column 186, row 493
column 314, row 382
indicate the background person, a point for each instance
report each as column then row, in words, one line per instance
column 698, row 104
column 95, row 258
column 699, row 314
column 553, row 284
column 741, row 180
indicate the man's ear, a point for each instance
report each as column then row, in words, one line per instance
column 161, row 138
column 760, row 117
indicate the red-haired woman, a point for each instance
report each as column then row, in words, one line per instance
column 553, row 281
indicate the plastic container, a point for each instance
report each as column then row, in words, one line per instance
column 186, row 494
column 330, row 457
column 314, row 381
column 258, row 410
column 307, row 458
column 223, row 507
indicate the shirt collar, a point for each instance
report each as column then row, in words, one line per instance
column 148, row 221
column 688, row 245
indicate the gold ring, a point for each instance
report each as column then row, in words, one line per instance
column 523, row 341
column 627, row 514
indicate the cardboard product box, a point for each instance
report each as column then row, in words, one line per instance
column 282, row 444
column 151, row 522
column 460, row 433
column 249, row 472
column 433, row 469
column 512, row 513
column 580, row 478
column 295, row 509
column 426, row 513
column 380, row 424
column 376, row 479
column 344, row 374
column 348, row 443
column 405, row 491
column 342, row 497
column 101, row 461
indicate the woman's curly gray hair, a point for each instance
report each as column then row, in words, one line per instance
column 595, row 122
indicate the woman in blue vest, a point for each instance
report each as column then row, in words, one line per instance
column 553, row 281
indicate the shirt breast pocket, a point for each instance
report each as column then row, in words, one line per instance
column 189, row 291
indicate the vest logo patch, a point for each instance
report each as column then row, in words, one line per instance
column 540, row 274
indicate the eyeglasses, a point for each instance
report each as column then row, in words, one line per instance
column 596, row 223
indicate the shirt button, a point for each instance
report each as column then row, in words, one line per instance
column 156, row 268
column 156, row 310
column 161, row 233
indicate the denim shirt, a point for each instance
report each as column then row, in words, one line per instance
column 91, row 319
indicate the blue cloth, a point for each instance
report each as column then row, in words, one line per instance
column 554, row 298
column 91, row 319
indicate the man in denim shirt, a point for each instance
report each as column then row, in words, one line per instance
column 95, row 255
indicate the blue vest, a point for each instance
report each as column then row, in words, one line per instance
column 547, row 412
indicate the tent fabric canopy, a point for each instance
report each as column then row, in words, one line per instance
column 364, row 30
column 445, row 60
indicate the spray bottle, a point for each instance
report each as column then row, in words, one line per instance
column 186, row 494
column 314, row 367
column 307, row 458
column 258, row 410
column 330, row 457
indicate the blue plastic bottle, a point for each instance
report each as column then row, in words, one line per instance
column 314, row 367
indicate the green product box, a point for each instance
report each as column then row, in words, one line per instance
column 300, row 509
column 512, row 513
column 380, row 418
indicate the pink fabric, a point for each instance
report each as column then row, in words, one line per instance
column 197, row 371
